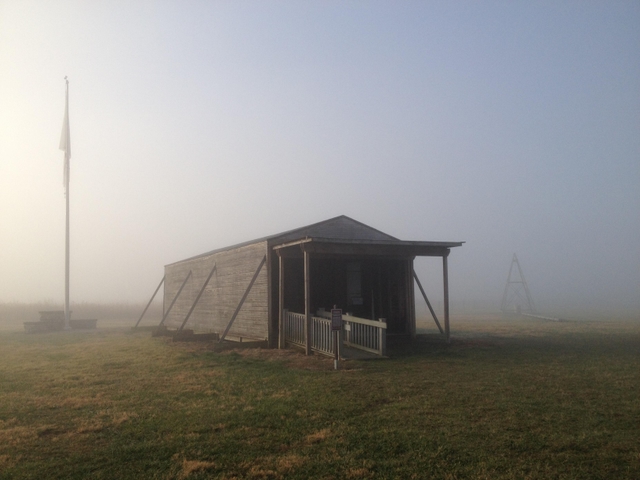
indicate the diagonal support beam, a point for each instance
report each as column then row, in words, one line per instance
column 244, row 297
column 428, row 303
column 148, row 304
column 175, row 298
column 198, row 297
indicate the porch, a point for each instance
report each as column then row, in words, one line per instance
column 371, row 281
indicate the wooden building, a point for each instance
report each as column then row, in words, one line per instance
column 258, row 290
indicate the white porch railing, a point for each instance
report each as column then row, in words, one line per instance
column 359, row 333
column 322, row 336
column 294, row 328
column 368, row 335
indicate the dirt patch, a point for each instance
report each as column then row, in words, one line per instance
column 290, row 462
column 359, row 473
column 50, row 430
column 17, row 434
column 193, row 466
column 317, row 437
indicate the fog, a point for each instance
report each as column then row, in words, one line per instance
column 514, row 127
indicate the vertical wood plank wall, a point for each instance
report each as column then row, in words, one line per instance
column 235, row 269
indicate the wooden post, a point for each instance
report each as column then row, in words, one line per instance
column 147, row 307
column 382, row 339
column 336, row 349
column 445, row 281
column 271, row 327
column 380, row 303
column 281, row 333
column 336, row 325
column 373, row 306
column 284, row 328
column 166, row 314
column 307, row 305
column 198, row 297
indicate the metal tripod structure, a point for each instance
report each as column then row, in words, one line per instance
column 513, row 292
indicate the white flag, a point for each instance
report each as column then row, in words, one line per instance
column 65, row 138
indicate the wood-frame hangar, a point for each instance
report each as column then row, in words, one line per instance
column 243, row 292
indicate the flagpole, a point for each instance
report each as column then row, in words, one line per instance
column 67, row 313
column 65, row 144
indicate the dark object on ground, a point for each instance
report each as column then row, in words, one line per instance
column 53, row 321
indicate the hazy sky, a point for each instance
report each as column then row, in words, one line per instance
column 513, row 126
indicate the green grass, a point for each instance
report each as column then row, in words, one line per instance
column 507, row 399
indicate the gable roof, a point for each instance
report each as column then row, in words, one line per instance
column 338, row 228
column 341, row 229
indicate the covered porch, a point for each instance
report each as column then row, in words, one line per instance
column 371, row 281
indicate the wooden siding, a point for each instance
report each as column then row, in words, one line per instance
column 235, row 268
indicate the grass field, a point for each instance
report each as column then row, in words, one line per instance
column 508, row 398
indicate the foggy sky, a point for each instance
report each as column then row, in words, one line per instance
column 512, row 126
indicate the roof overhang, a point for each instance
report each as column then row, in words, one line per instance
column 384, row 248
